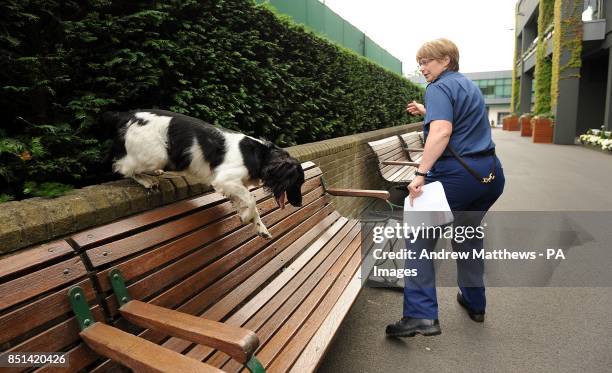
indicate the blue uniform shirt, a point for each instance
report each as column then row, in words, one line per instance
column 455, row 98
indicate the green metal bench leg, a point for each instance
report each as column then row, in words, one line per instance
column 118, row 285
column 254, row 366
column 80, row 307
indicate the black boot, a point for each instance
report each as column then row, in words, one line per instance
column 477, row 316
column 409, row 327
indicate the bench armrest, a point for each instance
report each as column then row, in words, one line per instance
column 400, row 163
column 239, row 343
column 382, row 194
column 138, row 353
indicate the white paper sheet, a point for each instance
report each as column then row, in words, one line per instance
column 433, row 199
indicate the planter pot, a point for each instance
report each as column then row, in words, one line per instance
column 525, row 121
column 511, row 123
column 542, row 129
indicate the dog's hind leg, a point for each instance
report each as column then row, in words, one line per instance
column 245, row 204
column 149, row 182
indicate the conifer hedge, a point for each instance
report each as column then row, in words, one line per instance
column 231, row 63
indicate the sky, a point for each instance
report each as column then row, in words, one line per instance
column 482, row 29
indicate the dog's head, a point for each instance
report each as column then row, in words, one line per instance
column 283, row 176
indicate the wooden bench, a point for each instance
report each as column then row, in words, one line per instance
column 35, row 314
column 413, row 144
column 398, row 158
column 196, row 258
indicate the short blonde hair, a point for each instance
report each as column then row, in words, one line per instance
column 438, row 49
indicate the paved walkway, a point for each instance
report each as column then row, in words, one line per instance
column 527, row 329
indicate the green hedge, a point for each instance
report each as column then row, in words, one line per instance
column 543, row 66
column 230, row 63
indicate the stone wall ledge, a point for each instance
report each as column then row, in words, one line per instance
column 38, row 220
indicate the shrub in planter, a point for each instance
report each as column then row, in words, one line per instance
column 542, row 129
column 525, row 121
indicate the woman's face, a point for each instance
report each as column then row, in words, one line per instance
column 432, row 68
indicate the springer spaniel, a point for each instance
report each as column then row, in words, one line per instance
column 150, row 142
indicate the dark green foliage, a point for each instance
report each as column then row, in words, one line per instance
column 229, row 63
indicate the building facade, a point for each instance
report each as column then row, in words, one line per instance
column 496, row 87
column 563, row 50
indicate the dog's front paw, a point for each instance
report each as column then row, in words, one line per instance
column 262, row 231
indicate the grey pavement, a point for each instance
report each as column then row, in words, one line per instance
column 527, row 329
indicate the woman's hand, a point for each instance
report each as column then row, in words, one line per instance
column 415, row 188
column 414, row 108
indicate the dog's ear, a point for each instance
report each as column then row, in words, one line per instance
column 114, row 119
column 284, row 174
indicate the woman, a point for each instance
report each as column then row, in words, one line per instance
column 460, row 153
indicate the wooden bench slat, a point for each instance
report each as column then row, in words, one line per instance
column 136, row 223
column 381, row 142
column 141, row 241
column 25, row 260
column 400, row 171
column 116, row 250
column 382, row 194
column 221, row 285
column 285, row 330
column 137, row 353
column 124, row 227
column 166, row 253
column 398, row 154
column 281, row 285
column 311, row 341
column 407, row 175
column 208, row 296
column 58, row 338
column 250, row 278
column 385, row 153
column 171, row 273
column 291, row 350
column 392, row 170
column 296, row 289
column 388, row 148
column 235, row 341
column 19, row 322
column 80, row 357
column 313, row 353
column 33, row 284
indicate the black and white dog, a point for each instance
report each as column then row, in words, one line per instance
column 150, row 142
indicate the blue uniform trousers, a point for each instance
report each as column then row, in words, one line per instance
column 469, row 200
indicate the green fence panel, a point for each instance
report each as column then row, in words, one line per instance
column 322, row 19
column 315, row 13
column 353, row 38
column 334, row 26
column 293, row 8
column 373, row 51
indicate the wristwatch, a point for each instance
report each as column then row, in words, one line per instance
column 420, row 173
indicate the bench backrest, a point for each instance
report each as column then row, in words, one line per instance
column 392, row 149
column 35, row 314
column 413, row 140
column 196, row 256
